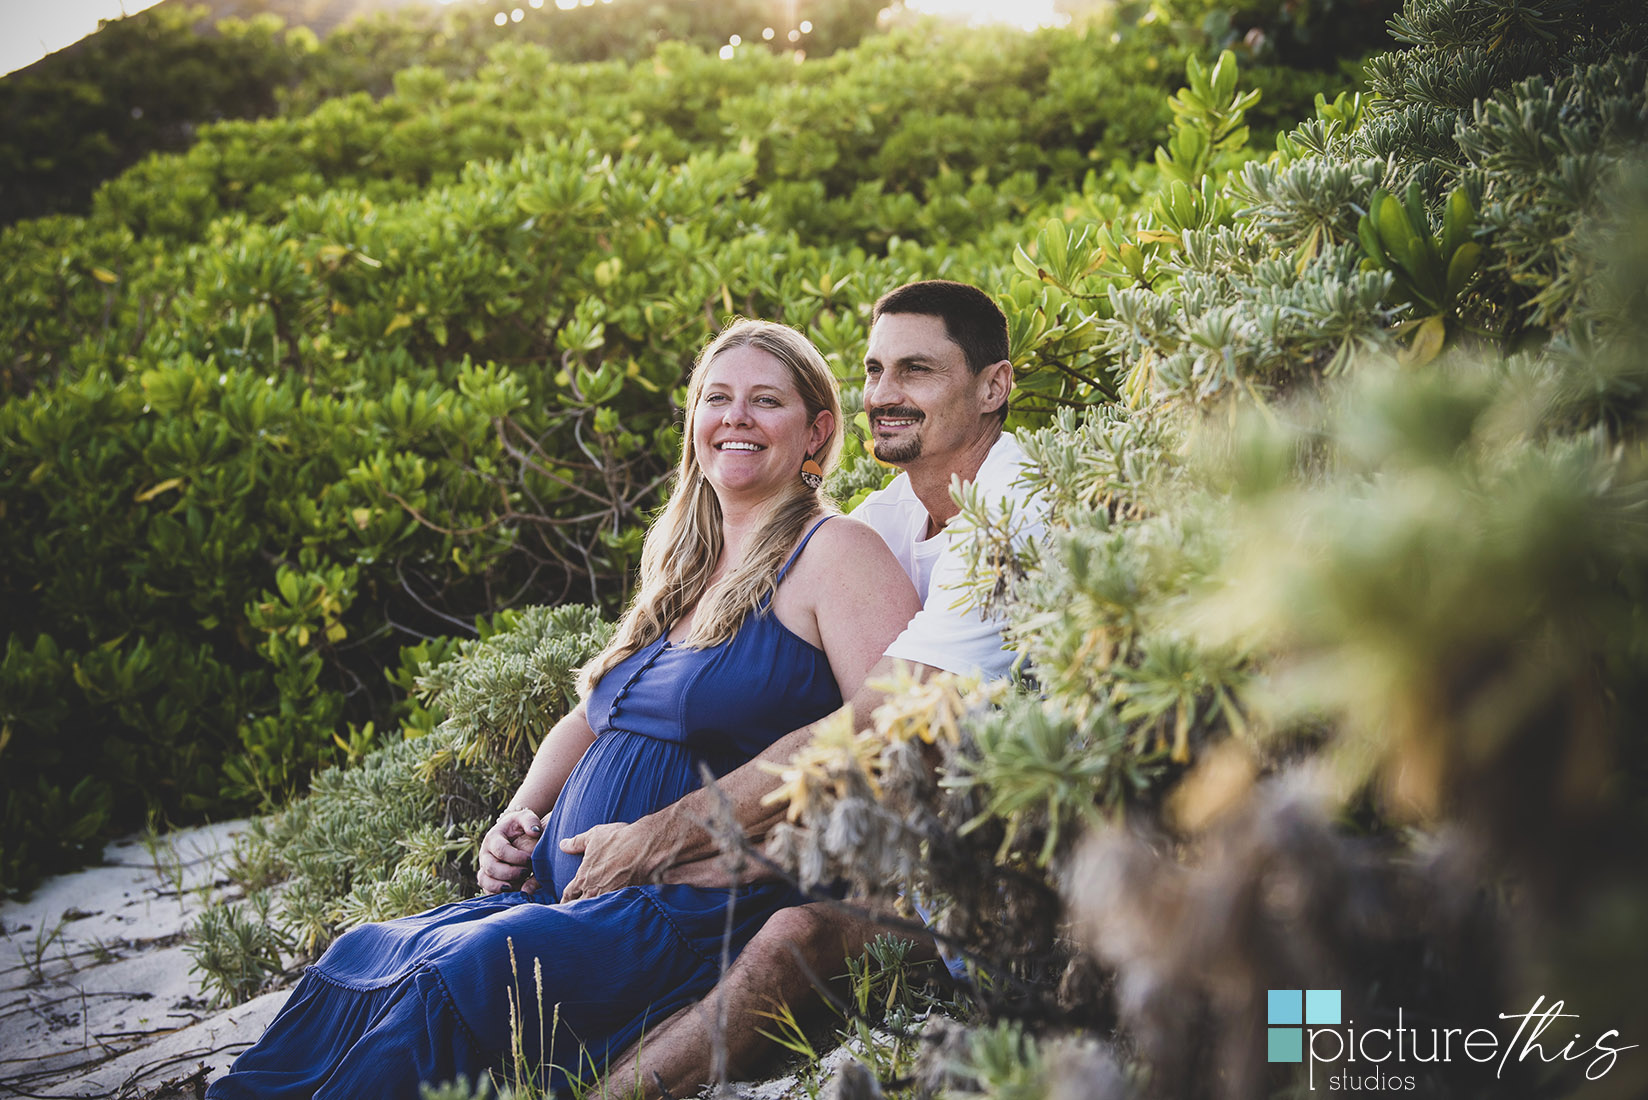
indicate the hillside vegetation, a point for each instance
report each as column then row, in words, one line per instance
column 1338, row 647
column 148, row 83
column 329, row 385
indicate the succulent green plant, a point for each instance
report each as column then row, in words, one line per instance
column 1430, row 272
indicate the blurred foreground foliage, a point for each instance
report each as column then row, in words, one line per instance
column 1339, row 648
column 1340, row 670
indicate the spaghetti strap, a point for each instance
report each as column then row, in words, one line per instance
column 802, row 545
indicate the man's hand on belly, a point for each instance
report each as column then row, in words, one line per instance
column 648, row 850
column 617, row 855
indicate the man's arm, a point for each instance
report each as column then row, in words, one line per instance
column 673, row 843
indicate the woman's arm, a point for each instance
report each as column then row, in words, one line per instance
column 557, row 755
column 861, row 600
column 506, row 850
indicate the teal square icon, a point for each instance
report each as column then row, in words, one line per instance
column 1286, row 1007
column 1321, row 1007
column 1287, row 1044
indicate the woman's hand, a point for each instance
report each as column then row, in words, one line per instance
column 506, row 852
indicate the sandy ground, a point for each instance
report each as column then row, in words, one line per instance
column 96, row 997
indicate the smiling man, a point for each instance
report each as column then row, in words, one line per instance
column 936, row 383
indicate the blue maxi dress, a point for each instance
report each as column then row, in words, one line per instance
column 426, row 998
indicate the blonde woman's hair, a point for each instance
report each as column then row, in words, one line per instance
column 685, row 542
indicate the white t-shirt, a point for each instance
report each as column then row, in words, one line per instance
column 945, row 637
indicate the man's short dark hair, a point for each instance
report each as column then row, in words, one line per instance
column 970, row 317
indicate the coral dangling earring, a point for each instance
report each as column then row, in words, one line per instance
column 812, row 475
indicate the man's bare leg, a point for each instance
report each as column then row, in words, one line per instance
column 679, row 1054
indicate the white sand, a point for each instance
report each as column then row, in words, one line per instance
column 96, row 998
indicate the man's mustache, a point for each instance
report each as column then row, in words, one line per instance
column 897, row 412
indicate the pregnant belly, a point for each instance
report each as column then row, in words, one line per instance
column 621, row 777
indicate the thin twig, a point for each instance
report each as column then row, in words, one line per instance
column 433, row 526
column 400, row 575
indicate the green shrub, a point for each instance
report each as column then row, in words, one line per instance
column 149, row 82
column 1352, row 649
column 140, row 85
column 400, row 832
column 235, row 950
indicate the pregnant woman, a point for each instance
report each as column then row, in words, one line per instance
column 759, row 611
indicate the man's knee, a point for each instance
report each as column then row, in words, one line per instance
column 810, row 942
column 801, row 925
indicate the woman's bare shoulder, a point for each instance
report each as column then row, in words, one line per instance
column 844, row 534
column 844, row 526
column 847, row 571
column 860, row 596
column 850, row 549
